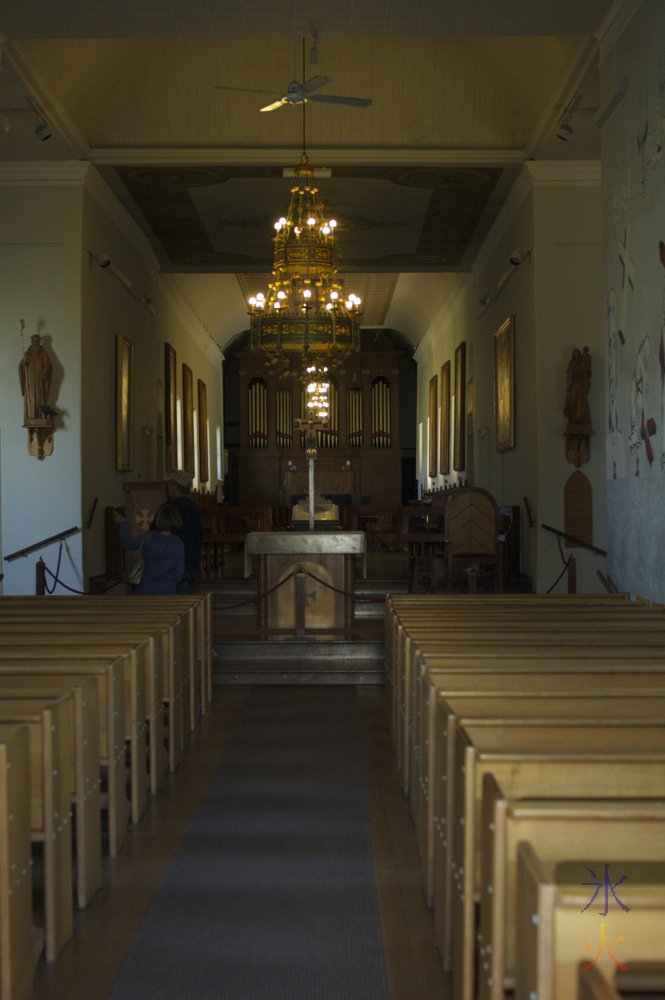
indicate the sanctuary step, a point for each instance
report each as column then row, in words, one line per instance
column 244, row 654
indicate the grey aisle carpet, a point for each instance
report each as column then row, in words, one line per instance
column 271, row 894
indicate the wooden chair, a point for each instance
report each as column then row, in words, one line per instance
column 472, row 537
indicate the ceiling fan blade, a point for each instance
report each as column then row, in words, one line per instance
column 356, row 102
column 273, row 107
column 315, row 83
column 245, row 90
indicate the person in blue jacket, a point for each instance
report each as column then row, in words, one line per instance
column 163, row 550
column 178, row 487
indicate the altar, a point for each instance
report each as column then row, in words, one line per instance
column 305, row 579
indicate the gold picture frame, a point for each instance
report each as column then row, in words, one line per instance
column 170, row 409
column 433, row 442
column 444, row 433
column 188, row 459
column 459, row 439
column 204, row 463
column 124, row 404
column 504, row 386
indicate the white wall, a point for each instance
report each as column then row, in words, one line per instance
column 40, row 210
column 553, row 298
column 52, row 217
column 633, row 294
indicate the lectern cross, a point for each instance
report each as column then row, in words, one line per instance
column 309, row 429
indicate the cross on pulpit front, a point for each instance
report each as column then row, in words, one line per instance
column 310, row 429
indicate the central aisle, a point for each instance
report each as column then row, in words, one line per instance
column 271, row 893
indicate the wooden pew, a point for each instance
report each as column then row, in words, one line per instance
column 158, row 652
column 554, row 925
column 192, row 614
column 557, row 829
column 86, row 777
column 109, row 674
column 49, row 727
column 133, row 651
column 463, row 634
column 16, row 934
column 483, row 621
column 586, row 761
column 195, row 611
column 593, row 985
column 458, row 697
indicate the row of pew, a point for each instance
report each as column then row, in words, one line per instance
column 530, row 741
column 99, row 696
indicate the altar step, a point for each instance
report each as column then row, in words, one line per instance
column 243, row 654
column 299, row 661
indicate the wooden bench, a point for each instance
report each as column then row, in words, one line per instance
column 554, row 925
column 449, row 642
column 461, row 648
column 49, row 727
column 562, row 696
column 191, row 614
column 487, row 619
column 159, row 646
column 133, row 660
column 109, row 674
column 557, row 829
column 586, row 761
column 86, row 777
column 16, row 933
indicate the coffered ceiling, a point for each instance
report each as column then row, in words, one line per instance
column 462, row 92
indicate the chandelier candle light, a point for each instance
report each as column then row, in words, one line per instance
column 304, row 324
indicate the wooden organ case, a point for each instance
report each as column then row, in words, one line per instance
column 359, row 453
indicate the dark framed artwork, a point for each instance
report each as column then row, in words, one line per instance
column 170, row 409
column 124, row 405
column 459, row 437
column 504, row 386
column 433, row 444
column 204, row 463
column 444, row 431
column 188, row 420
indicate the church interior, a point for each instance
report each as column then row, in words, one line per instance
column 384, row 285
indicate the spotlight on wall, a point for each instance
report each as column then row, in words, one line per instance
column 518, row 256
column 43, row 130
column 565, row 130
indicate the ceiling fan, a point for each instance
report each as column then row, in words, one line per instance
column 301, row 93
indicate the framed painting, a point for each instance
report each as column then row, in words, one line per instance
column 433, row 444
column 459, row 439
column 444, row 430
column 124, row 404
column 504, row 386
column 170, row 410
column 204, row 463
column 188, row 420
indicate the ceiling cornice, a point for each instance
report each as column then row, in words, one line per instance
column 320, row 157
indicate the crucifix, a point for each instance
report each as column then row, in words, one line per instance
column 310, row 427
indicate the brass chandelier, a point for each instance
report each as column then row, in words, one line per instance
column 305, row 324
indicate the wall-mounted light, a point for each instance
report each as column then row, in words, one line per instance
column 565, row 129
column 515, row 259
column 104, row 261
column 42, row 129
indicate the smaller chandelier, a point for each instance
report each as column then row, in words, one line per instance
column 318, row 403
column 305, row 321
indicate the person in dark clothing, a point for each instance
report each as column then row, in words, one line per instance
column 162, row 549
column 178, row 485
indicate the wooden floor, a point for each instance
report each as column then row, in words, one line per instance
column 90, row 963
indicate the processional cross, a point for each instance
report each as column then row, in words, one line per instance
column 310, row 428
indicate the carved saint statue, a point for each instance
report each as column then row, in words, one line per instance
column 35, row 371
column 576, row 407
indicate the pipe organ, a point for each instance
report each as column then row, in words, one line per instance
column 361, row 437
